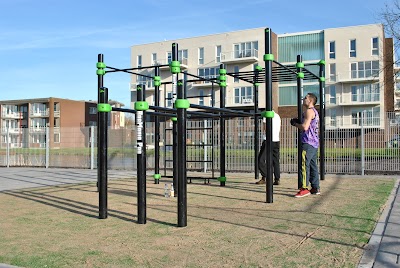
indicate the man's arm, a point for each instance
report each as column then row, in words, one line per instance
column 308, row 116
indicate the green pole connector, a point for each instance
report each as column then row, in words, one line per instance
column 222, row 84
column 257, row 84
column 222, row 78
column 300, row 65
column 258, row 68
column 157, row 81
column 222, row 179
column 268, row 57
column 157, row 176
column 141, row 106
column 268, row 114
column 300, row 75
column 322, row 79
column 222, row 71
column 175, row 67
column 104, row 107
column 138, row 88
column 100, row 72
column 174, row 119
column 321, row 62
column 182, row 103
column 101, row 65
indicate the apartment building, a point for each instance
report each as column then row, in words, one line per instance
column 359, row 70
column 24, row 123
column 202, row 56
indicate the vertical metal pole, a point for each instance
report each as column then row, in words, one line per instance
column 362, row 145
column 205, row 143
column 102, row 154
column 141, row 154
column 268, row 108
column 47, row 140
column 174, row 122
column 157, row 127
column 8, row 147
column 91, row 147
column 182, row 175
column 299, row 114
column 222, row 156
column 100, row 81
column 322, row 119
column 256, row 126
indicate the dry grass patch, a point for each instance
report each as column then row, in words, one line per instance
column 229, row 226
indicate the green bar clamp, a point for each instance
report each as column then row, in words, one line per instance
column 268, row 114
column 104, row 107
column 157, row 81
column 174, row 119
column 100, row 72
column 299, row 65
column 100, row 68
column 321, row 62
column 222, row 84
column 222, row 71
column 300, row 75
column 175, row 67
column 222, row 78
column 157, row 176
column 139, row 88
column 258, row 68
column 268, row 57
column 322, row 79
column 222, row 179
column 141, row 106
column 182, row 103
column 257, row 84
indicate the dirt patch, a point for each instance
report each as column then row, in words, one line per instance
column 229, row 226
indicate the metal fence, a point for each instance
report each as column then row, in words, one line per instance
column 347, row 150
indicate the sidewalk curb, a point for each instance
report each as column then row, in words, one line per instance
column 371, row 250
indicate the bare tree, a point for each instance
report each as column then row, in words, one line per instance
column 390, row 16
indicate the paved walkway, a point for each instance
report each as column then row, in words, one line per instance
column 383, row 249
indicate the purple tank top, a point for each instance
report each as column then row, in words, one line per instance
column 311, row 136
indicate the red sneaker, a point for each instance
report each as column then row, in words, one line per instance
column 303, row 192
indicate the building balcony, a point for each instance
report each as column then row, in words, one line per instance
column 352, row 123
column 15, row 115
column 242, row 56
column 11, row 130
column 38, row 113
column 56, row 113
column 37, row 129
column 353, row 77
column 184, row 63
column 207, row 84
column 358, row 99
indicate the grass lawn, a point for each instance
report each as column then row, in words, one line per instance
column 229, row 226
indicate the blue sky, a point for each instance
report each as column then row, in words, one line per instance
column 49, row 48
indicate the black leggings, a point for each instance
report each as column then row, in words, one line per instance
column 262, row 157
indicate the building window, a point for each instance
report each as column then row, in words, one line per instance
column 182, row 56
column 236, row 70
column 154, row 59
column 139, row 61
column 332, row 113
column 169, row 99
column 243, row 95
column 364, row 69
column 57, row 137
column 92, row 110
column 218, row 51
column 365, row 93
column 201, row 98
column 352, row 47
column 375, row 46
column 201, row 55
column 332, row 72
column 208, row 73
column 169, row 57
column 332, row 94
column 247, row 49
column 332, row 50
